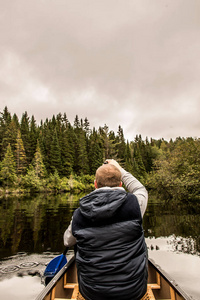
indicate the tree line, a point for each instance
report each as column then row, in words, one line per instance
column 57, row 155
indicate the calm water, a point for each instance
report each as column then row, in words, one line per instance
column 31, row 234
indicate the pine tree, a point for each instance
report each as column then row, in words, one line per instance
column 95, row 152
column 38, row 164
column 128, row 158
column 10, row 136
column 86, row 127
column 148, row 156
column 77, row 124
column 45, row 140
column 16, row 120
column 121, row 145
column 66, row 149
column 24, row 127
column 80, row 149
column 65, row 120
column 21, row 161
column 138, row 165
column 55, row 155
column 108, row 140
column 8, row 171
column 83, row 157
column 33, row 134
column 5, row 119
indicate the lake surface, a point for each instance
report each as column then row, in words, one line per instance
column 31, row 234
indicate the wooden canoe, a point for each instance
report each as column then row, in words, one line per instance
column 65, row 286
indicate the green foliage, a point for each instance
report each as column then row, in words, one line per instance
column 32, row 182
column 75, row 186
column 54, row 182
column 177, row 171
column 25, row 135
column 20, row 155
column 33, row 135
column 56, row 156
column 108, row 142
column 38, row 164
column 8, row 172
column 87, row 181
column 95, row 152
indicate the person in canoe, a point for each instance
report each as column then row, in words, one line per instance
column 107, row 227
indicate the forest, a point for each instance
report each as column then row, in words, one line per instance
column 57, row 156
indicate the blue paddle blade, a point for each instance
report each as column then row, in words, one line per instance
column 53, row 267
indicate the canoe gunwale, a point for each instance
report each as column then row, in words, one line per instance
column 53, row 282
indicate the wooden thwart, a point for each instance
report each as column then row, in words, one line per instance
column 76, row 295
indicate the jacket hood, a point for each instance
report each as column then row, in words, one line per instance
column 102, row 203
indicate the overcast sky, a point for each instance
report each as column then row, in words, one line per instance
column 117, row 62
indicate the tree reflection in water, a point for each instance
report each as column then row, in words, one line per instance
column 36, row 224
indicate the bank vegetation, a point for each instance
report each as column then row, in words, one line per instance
column 57, row 156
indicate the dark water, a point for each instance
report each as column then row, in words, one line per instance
column 31, row 234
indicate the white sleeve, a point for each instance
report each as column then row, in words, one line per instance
column 69, row 239
column 135, row 187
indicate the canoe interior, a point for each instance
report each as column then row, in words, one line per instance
column 65, row 285
column 163, row 286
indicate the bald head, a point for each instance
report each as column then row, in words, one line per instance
column 108, row 175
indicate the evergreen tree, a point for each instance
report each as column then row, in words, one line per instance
column 77, row 124
column 80, row 149
column 148, row 156
column 45, row 140
column 95, row 152
column 138, row 166
column 61, row 129
column 10, row 136
column 21, row 161
column 108, row 141
column 40, row 141
column 5, row 119
column 128, row 158
column 38, row 164
column 24, row 127
column 16, row 120
column 8, row 171
column 33, row 137
column 72, row 140
column 66, row 149
column 53, row 122
column 83, row 157
column 55, row 155
column 65, row 120
column 86, row 127
column 121, row 145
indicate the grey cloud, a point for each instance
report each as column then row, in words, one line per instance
column 138, row 58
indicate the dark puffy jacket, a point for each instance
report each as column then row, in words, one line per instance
column 111, row 251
